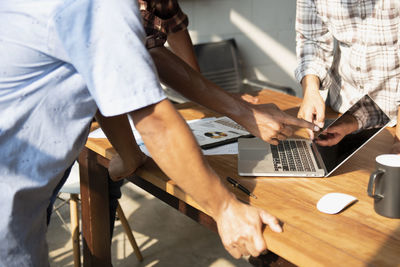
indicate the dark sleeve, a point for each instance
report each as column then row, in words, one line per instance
column 174, row 19
column 368, row 114
column 161, row 18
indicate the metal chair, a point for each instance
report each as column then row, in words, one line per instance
column 220, row 63
column 72, row 187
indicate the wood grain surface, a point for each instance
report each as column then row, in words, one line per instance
column 355, row 237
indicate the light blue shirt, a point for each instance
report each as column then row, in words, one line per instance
column 58, row 59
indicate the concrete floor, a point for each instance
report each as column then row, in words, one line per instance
column 164, row 236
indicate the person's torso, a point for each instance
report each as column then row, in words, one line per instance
column 367, row 59
column 39, row 90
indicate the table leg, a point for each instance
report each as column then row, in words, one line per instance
column 95, row 211
column 74, row 215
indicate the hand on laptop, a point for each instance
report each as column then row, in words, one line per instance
column 334, row 134
column 272, row 124
column 240, row 227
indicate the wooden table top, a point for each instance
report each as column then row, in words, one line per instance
column 355, row 237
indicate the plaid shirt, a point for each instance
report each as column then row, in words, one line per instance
column 367, row 114
column 367, row 55
column 161, row 17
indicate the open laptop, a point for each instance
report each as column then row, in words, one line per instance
column 305, row 158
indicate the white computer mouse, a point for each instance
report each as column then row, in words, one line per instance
column 333, row 203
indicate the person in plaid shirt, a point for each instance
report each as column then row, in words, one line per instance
column 348, row 48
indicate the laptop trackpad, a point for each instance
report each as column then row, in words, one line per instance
column 246, row 154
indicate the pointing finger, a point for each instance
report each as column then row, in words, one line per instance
column 320, row 117
column 300, row 123
column 286, row 130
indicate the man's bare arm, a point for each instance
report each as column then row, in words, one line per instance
column 119, row 133
column 173, row 147
column 265, row 121
column 312, row 107
column 182, row 46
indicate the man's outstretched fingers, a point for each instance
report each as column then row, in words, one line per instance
column 235, row 252
column 271, row 221
column 289, row 120
column 273, row 141
column 320, row 117
column 280, row 136
column 286, row 130
column 259, row 244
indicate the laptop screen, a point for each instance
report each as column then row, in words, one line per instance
column 350, row 132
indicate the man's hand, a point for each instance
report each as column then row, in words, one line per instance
column 312, row 108
column 240, row 228
column 334, row 134
column 119, row 133
column 120, row 168
column 271, row 124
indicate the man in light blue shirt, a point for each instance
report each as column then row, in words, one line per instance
column 60, row 60
column 46, row 106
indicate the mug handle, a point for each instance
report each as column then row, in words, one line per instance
column 372, row 180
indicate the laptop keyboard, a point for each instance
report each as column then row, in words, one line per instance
column 292, row 155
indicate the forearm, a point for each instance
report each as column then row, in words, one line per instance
column 173, row 147
column 181, row 44
column 119, row 133
column 310, row 84
column 176, row 74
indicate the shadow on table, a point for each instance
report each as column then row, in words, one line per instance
column 389, row 249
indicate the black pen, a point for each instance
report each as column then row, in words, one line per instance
column 240, row 187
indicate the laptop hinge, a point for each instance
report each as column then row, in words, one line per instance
column 320, row 162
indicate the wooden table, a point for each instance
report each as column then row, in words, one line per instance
column 355, row 237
